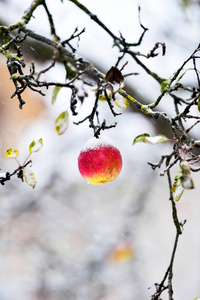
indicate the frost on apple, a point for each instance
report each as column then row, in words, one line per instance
column 99, row 161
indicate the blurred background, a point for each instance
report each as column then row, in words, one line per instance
column 67, row 239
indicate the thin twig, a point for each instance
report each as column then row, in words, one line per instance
column 17, row 172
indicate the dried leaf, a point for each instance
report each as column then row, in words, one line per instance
column 61, row 122
column 114, row 75
column 12, row 153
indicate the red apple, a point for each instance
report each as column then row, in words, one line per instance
column 99, row 161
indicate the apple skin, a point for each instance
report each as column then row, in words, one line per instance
column 99, row 161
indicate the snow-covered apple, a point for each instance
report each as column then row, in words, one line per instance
column 99, row 161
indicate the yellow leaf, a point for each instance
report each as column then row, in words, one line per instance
column 121, row 102
column 102, row 98
column 29, row 177
column 123, row 253
column 61, row 122
column 35, row 146
column 12, row 153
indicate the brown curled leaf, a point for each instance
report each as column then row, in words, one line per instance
column 114, row 75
